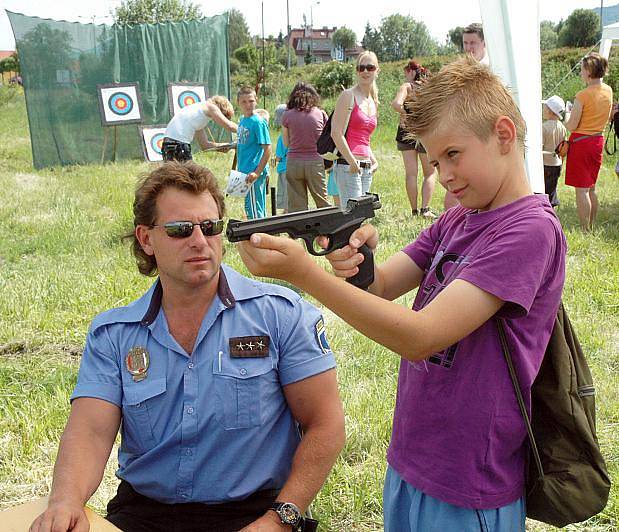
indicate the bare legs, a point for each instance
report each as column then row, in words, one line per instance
column 587, row 206
column 411, row 169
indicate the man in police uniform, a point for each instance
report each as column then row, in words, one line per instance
column 212, row 375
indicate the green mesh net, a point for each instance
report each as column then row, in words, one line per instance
column 63, row 62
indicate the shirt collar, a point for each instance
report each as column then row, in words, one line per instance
column 224, row 293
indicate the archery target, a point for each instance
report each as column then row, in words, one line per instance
column 183, row 94
column 152, row 140
column 119, row 104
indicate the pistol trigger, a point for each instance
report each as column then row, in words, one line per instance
column 309, row 244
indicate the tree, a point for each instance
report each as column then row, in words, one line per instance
column 153, row 11
column 10, row 64
column 455, row 36
column 238, row 32
column 580, row 29
column 548, row 37
column 402, row 36
column 372, row 40
column 344, row 38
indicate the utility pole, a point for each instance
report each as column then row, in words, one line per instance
column 312, row 29
column 288, row 27
column 601, row 17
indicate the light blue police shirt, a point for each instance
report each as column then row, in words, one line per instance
column 213, row 426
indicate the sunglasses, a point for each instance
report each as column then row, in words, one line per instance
column 185, row 229
column 363, row 68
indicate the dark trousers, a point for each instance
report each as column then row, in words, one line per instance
column 132, row 512
column 551, row 178
column 175, row 150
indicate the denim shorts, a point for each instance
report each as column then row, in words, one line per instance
column 351, row 185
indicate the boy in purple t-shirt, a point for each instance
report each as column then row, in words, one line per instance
column 459, row 444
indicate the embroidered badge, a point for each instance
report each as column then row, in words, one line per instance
column 249, row 346
column 321, row 336
column 137, row 361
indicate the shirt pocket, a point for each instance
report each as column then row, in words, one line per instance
column 240, row 387
column 138, row 414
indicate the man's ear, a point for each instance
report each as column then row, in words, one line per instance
column 143, row 235
column 505, row 130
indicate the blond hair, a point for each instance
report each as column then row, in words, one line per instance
column 263, row 113
column 464, row 92
column 372, row 56
column 224, row 105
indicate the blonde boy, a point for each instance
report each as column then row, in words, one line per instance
column 254, row 152
column 458, row 446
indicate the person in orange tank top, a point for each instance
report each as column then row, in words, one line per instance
column 587, row 121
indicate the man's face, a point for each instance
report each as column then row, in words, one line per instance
column 247, row 103
column 473, row 44
column 191, row 262
column 468, row 167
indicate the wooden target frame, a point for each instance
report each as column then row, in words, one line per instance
column 119, row 104
column 178, row 92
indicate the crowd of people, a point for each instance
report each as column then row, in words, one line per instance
column 224, row 388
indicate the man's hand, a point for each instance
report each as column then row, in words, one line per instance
column 269, row 522
column 277, row 257
column 345, row 261
column 251, row 177
column 62, row 517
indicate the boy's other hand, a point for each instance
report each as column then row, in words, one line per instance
column 345, row 261
column 277, row 257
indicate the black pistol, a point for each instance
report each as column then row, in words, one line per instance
column 332, row 222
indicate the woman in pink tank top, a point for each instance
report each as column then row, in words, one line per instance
column 354, row 120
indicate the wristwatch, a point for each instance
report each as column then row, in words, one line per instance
column 289, row 514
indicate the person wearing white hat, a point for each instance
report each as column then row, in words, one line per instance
column 553, row 133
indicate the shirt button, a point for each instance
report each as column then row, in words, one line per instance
column 190, row 410
column 243, row 371
column 190, row 365
column 188, row 453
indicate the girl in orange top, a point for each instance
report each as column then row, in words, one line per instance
column 587, row 121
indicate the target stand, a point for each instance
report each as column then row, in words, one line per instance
column 152, row 140
column 119, row 104
column 181, row 94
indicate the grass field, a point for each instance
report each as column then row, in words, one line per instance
column 61, row 263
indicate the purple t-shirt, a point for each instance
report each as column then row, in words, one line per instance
column 457, row 432
column 304, row 128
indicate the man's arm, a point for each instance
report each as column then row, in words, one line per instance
column 83, row 453
column 266, row 155
column 316, row 405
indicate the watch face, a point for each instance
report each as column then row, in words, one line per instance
column 289, row 514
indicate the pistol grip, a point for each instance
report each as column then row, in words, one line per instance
column 365, row 276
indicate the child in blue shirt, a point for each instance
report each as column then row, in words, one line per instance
column 281, row 155
column 254, row 151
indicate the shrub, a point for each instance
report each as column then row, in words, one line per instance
column 8, row 93
column 332, row 77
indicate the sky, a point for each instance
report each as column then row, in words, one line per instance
column 438, row 15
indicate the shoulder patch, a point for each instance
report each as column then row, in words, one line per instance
column 321, row 336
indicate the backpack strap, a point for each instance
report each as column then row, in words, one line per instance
column 521, row 405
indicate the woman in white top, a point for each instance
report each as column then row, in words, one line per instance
column 190, row 122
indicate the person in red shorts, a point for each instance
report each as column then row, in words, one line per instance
column 587, row 121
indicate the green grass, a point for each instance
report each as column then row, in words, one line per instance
column 61, row 262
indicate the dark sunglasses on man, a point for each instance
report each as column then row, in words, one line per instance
column 185, row 229
column 369, row 68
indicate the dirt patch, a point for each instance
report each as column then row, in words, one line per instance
column 19, row 348
column 28, row 181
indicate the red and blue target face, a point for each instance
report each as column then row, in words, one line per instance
column 187, row 97
column 156, row 143
column 121, row 103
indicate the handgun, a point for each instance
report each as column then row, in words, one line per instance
column 332, row 222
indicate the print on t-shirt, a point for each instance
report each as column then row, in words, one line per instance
column 445, row 268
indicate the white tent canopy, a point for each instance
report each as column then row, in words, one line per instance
column 609, row 34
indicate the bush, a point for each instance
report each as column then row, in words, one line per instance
column 332, row 77
column 8, row 93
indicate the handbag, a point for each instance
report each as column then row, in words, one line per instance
column 325, row 145
column 563, row 147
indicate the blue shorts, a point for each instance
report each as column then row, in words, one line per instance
column 256, row 199
column 408, row 509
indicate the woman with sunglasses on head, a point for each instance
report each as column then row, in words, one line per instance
column 410, row 147
column 354, row 120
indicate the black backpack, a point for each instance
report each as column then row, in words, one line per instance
column 325, row 146
column 567, row 480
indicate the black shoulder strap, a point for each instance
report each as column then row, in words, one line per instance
column 521, row 405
